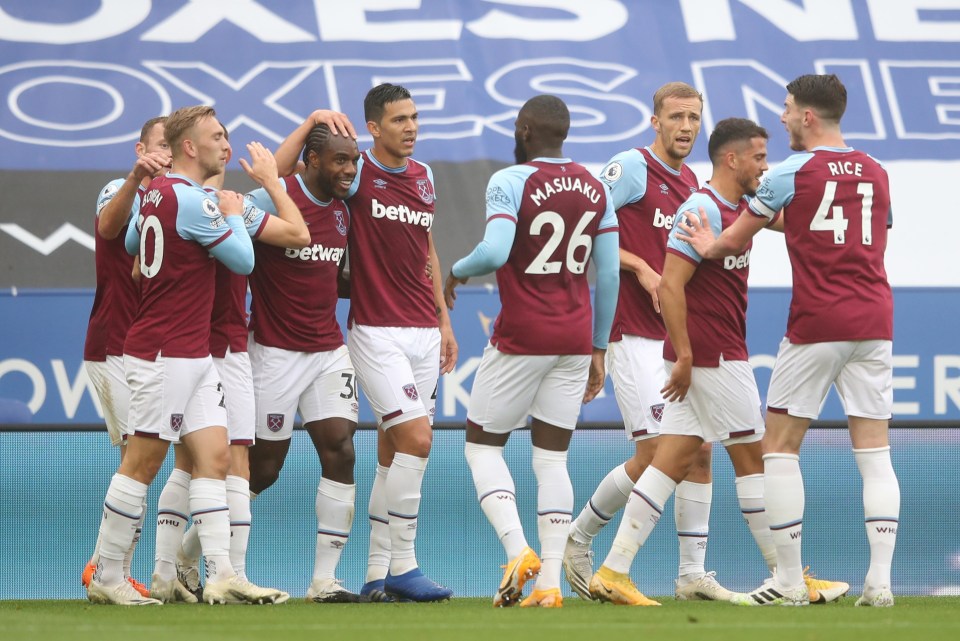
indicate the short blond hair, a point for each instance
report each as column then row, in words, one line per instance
column 181, row 121
column 672, row 90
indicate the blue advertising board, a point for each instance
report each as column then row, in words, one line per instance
column 81, row 76
column 41, row 354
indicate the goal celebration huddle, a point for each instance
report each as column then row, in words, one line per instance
column 177, row 358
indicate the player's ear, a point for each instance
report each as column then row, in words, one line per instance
column 140, row 148
column 373, row 128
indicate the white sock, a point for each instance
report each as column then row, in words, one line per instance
column 554, row 511
column 173, row 508
column 691, row 510
column 335, row 507
column 608, row 499
column 190, row 548
column 403, row 507
column 641, row 515
column 784, row 497
column 211, row 517
column 122, row 510
column 881, row 509
column 496, row 493
column 378, row 558
column 750, row 496
column 128, row 557
column 238, row 502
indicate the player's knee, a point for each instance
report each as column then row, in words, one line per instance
column 338, row 451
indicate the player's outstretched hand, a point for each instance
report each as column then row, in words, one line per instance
column 151, row 164
column 264, row 166
column 597, row 374
column 448, row 349
column 338, row 123
column 695, row 230
column 449, row 289
column 231, row 202
column 679, row 384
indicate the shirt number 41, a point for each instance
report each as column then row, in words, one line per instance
column 829, row 217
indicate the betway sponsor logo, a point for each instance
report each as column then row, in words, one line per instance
column 402, row 213
column 316, row 252
column 737, row 262
column 662, row 220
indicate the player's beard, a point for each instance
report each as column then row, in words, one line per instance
column 519, row 152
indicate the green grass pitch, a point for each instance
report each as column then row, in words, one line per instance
column 913, row 618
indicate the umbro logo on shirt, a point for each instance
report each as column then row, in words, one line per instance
column 380, row 183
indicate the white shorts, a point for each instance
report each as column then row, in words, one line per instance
column 172, row 397
column 237, row 379
column 111, row 385
column 398, row 369
column 636, row 368
column 320, row 385
column 509, row 387
column 722, row 404
column 861, row 370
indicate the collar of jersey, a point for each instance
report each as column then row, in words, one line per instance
column 839, row 150
column 719, row 197
column 554, row 161
column 392, row 170
column 675, row 172
column 182, row 177
column 309, row 195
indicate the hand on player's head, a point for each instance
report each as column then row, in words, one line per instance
column 262, row 166
column 231, row 202
column 337, row 122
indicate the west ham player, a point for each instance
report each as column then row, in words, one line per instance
column 546, row 217
column 711, row 393
column 174, row 386
column 836, row 210
column 299, row 359
column 116, row 299
column 176, row 576
column 400, row 338
column 647, row 185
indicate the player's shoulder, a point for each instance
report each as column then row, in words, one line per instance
column 514, row 174
column 417, row 168
column 111, row 188
column 625, row 162
column 793, row 163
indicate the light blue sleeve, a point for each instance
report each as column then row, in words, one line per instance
column 259, row 199
column 199, row 219
column 693, row 204
column 778, row 186
column 491, row 253
column 236, row 250
column 626, row 176
column 108, row 192
column 609, row 219
column 606, row 258
column 504, row 191
column 356, row 179
column 131, row 242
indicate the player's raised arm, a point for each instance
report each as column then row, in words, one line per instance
column 288, row 153
column 116, row 213
column 288, row 228
column 234, row 250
